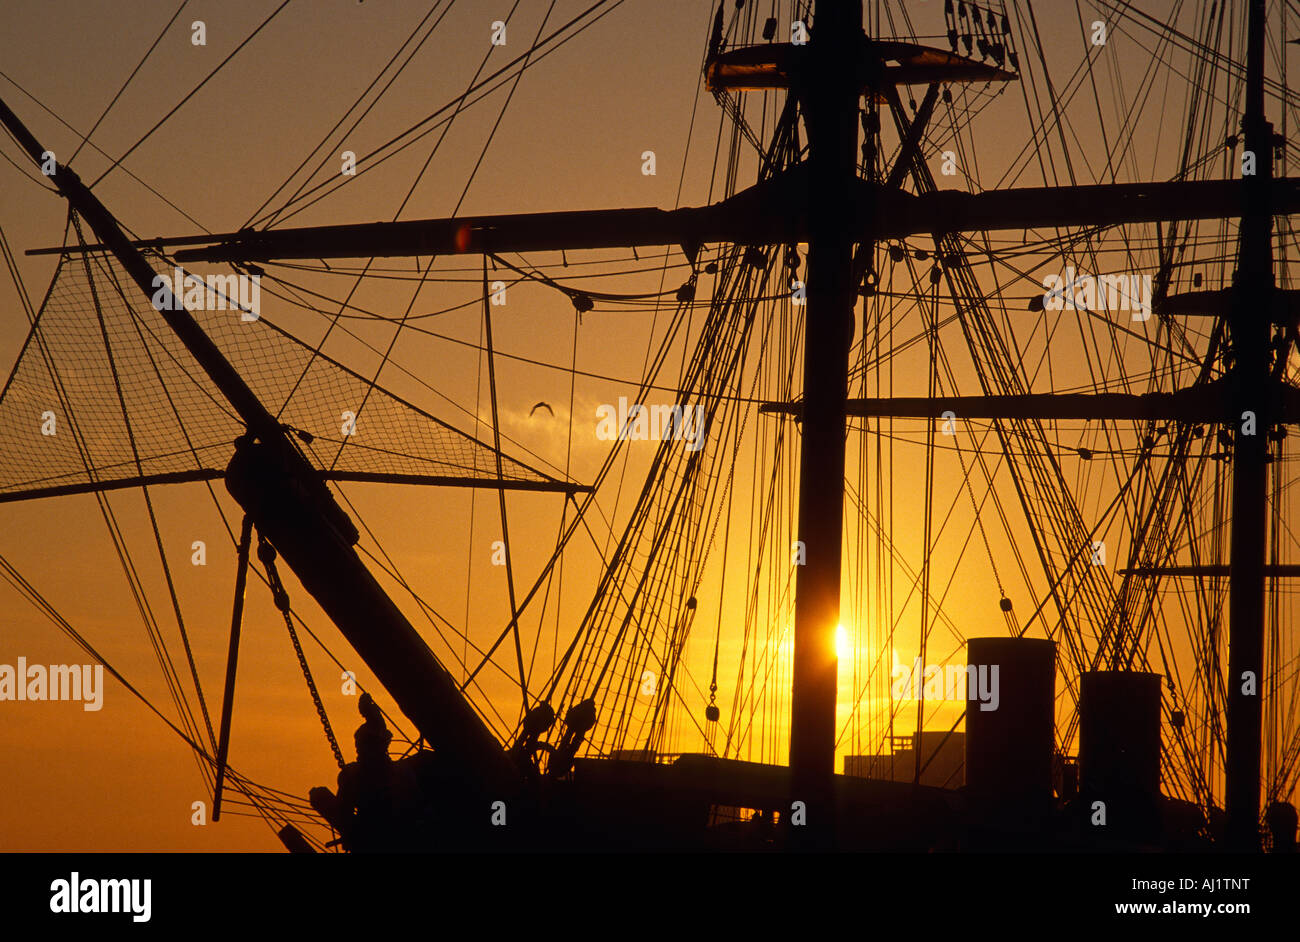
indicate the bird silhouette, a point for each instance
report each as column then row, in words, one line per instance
column 541, row 405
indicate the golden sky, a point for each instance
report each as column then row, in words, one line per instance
column 572, row 138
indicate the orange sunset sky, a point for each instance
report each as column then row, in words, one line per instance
column 572, row 137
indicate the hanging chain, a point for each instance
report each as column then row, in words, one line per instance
column 266, row 553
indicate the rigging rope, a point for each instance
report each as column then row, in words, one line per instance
column 501, row 492
column 129, row 78
column 266, row 553
column 250, row 221
column 365, row 163
column 194, row 91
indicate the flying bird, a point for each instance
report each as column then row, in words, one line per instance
column 541, row 405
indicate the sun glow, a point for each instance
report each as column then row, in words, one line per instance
column 843, row 646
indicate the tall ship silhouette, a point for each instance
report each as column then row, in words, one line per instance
column 950, row 510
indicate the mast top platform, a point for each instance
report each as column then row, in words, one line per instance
column 779, row 65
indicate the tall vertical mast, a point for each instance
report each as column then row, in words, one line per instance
column 829, row 95
column 1250, row 326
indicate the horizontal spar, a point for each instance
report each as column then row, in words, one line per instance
column 770, row 212
column 1103, row 205
column 361, row 477
column 531, row 232
column 116, row 484
column 433, row 480
column 1201, row 404
column 774, row 212
column 1280, row 571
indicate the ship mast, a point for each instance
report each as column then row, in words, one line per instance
column 1250, row 325
column 830, row 98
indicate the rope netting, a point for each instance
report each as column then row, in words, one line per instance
column 102, row 372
